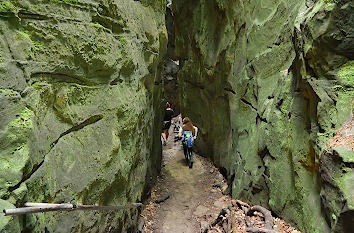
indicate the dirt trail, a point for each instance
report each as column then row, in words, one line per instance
column 193, row 199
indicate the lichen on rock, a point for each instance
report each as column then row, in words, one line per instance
column 268, row 83
column 79, row 109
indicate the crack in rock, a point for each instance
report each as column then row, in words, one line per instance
column 91, row 120
column 248, row 103
column 26, row 177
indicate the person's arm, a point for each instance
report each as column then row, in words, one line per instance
column 196, row 132
column 180, row 132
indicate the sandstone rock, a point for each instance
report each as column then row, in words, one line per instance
column 220, row 203
column 141, row 224
column 269, row 82
column 163, row 198
column 79, row 108
column 337, row 175
column 226, row 190
column 203, row 225
column 200, row 211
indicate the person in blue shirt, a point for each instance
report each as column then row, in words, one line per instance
column 189, row 133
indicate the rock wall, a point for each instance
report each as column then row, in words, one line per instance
column 171, row 66
column 80, row 100
column 268, row 83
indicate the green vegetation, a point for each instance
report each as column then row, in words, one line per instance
column 63, row 1
column 22, row 36
column 123, row 40
column 36, row 46
column 346, row 73
column 97, row 25
column 7, row 7
column 330, row 1
column 24, row 120
column 330, row 4
column 67, row 1
column 9, row 92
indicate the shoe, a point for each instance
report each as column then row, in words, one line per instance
column 190, row 164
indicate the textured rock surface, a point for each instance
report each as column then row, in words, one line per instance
column 80, row 88
column 171, row 91
column 171, row 66
column 268, row 83
column 337, row 175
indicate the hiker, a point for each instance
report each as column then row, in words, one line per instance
column 166, row 123
column 189, row 132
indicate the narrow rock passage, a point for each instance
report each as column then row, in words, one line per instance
column 193, row 199
column 189, row 199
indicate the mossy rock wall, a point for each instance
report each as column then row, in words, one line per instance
column 268, row 83
column 80, row 105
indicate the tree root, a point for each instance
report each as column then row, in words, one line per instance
column 226, row 221
column 248, row 221
column 259, row 230
column 214, row 229
column 242, row 205
column 268, row 220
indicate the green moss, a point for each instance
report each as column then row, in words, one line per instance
column 97, row 25
column 346, row 186
column 66, row 1
column 1, row 58
column 9, row 93
column 24, row 119
column 123, row 40
column 346, row 73
column 69, row 1
column 22, row 36
column 36, row 46
column 330, row 4
column 7, row 7
column 345, row 92
column 346, row 154
column 330, row 1
column 9, row 223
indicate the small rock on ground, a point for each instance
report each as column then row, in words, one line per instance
column 162, row 198
column 203, row 225
column 200, row 211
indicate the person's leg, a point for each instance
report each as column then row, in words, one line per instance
column 190, row 152
column 163, row 137
column 185, row 150
column 168, row 125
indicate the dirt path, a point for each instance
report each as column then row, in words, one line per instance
column 193, row 199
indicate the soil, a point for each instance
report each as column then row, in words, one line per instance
column 344, row 137
column 191, row 191
column 195, row 195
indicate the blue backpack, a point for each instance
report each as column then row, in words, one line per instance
column 188, row 138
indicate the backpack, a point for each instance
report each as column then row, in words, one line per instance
column 188, row 138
